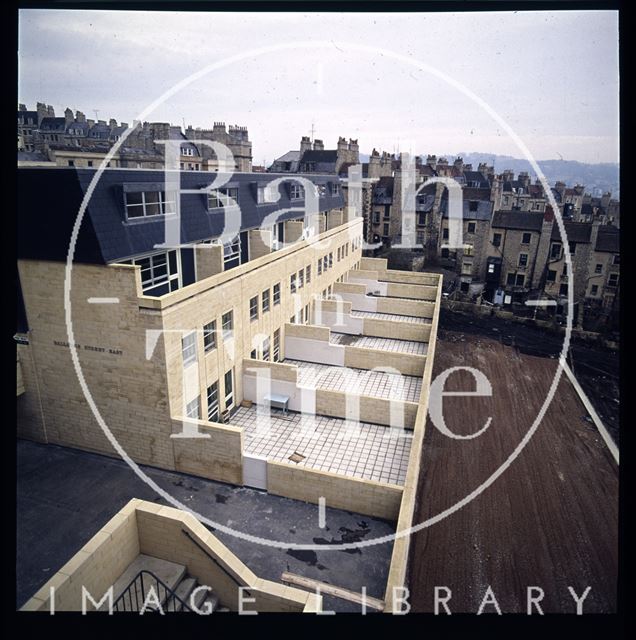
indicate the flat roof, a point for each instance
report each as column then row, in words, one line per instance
column 358, row 381
column 390, row 316
column 64, row 496
column 368, row 451
column 383, row 344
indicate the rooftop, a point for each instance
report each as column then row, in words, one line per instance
column 358, row 381
column 106, row 236
column 369, row 451
column 55, row 483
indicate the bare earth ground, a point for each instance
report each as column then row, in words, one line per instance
column 551, row 519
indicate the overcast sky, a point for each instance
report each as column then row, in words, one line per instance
column 553, row 76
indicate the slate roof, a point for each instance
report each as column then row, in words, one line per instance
column 53, row 124
column 475, row 176
column 343, row 171
column 50, row 199
column 324, row 155
column 577, row 232
column 33, row 156
column 25, row 115
column 521, row 220
column 608, row 239
column 77, row 126
column 483, row 212
column 117, row 131
column 100, row 131
column 426, row 170
column 474, row 193
column 290, row 156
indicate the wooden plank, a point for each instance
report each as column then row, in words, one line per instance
column 330, row 590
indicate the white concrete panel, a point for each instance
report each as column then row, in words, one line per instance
column 300, row 399
column 373, row 286
column 360, row 302
column 255, row 471
column 314, row 351
column 342, row 323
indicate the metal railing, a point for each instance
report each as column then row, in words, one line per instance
column 188, row 535
column 133, row 597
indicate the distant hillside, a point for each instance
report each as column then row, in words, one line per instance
column 597, row 178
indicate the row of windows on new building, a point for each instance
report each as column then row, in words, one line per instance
column 155, row 202
column 211, row 335
column 163, row 271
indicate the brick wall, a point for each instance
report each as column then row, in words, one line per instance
column 361, row 496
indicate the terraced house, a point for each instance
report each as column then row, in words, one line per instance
column 275, row 357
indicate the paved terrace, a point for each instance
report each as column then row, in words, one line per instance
column 372, row 452
column 390, row 316
column 64, row 496
column 358, row 381
column 384, row 344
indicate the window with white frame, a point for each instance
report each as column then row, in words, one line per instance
column 265, row 300
column 189, row 348
column 308, row 274
column 209, row 336
column 213, row 402
column 612, row 281
column 523, row 259
column 292, row 283
column 335, row 188
column 296, row 191
column 276, row 351
column 232, row 253
column 276, row 293
column 221, row 197
column 254, row 308
column 228, row 381
column 556, row 251
column 227, row 325
column 319, row 268
column 193, row 409
column 265, row 349
column 301, row 278
column 146, row 204
column 525, row 238
column 159, row 272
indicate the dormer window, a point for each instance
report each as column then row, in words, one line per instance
column 187, row 151
column 296, row 191
column 147, row 204
column 220, row 197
